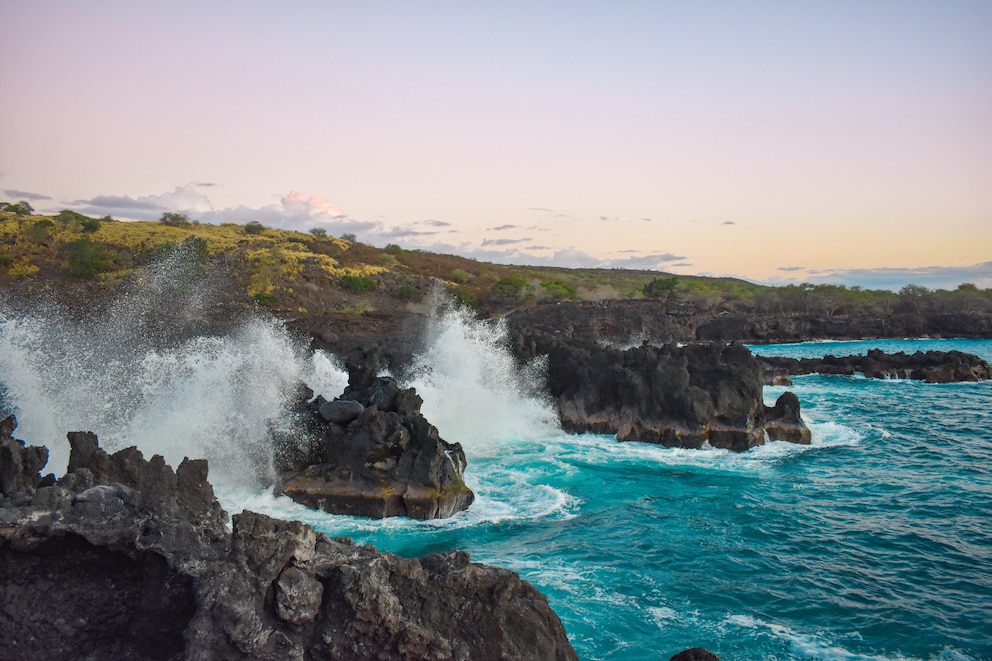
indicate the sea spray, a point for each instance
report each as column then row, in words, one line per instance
column 474, row 390
column 163, row 367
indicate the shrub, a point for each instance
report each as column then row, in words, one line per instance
column 393, row 249
column 409, row 293
column 318, row 232
column 90, row 225
column 40, row 230
column 254, row 227
column 357, row 284
column 558, row 289
column 459, row 276
column 510, row 288
column 21, row 208
column 660, row 287
column 175, row 219
column 88, row 259
column 349, row 237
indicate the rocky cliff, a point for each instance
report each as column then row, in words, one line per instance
column 371, row 453
column 670, row 395
column 124, row 558
column 928, row 366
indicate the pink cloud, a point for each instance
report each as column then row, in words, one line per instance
column 296, row 203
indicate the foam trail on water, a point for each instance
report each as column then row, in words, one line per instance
column 474, row 391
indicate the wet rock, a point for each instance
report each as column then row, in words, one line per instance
column 374, row 454
column 695, row 654
column 674, row 396
column 929, row 366
column 125, row 558
column 784, row 423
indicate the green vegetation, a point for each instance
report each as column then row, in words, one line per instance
column 357, row 284
column 660, row 287
column 292, row 271
column 175, row 219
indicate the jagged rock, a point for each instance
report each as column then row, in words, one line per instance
column 673, row 396
column 784, row 423
column 929, row 366
column 19, row 465
column 124, row 558
column 376, row 456
column 695, row 654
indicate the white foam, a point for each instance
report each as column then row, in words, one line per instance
column 474, row 391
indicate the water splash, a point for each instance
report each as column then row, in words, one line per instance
column 473, row 389
column 166, row 368
column 163, row 368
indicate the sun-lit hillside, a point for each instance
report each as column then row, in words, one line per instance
column 295, row 273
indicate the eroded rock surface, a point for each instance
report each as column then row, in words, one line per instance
column 372, row 453
column 928, row 366
column 670, row 395
column 125, row 558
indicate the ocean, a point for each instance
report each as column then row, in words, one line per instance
column 873, row 542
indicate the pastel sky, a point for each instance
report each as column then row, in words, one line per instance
column 844, row 141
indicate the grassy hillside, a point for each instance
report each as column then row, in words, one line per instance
column 305, row 274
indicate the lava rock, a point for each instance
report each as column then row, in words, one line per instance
column 125, row 558
column 929, row 366
column 374, row 455
column 674, row 396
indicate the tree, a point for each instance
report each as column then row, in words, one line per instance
column 254, row 227
column 175, row 219
column 318, row 232
column 349, row 237
column 21, row 208
column 660, row 288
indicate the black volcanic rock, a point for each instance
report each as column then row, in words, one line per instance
column 125, row 558
column 929, row 366
column 670, row 395
column 373, row 454
column 784, row 423
column 695, row 654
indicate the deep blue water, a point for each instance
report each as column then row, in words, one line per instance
column 873, row 542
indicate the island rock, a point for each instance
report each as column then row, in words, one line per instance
column 372, row 453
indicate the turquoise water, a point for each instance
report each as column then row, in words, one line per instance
column 874, row 542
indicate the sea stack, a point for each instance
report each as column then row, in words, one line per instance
column 372, row 453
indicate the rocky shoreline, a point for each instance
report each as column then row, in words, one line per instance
column 929, row 366
column 124, row 558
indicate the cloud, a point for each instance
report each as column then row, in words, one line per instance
column 542, row 209
column 502, row 242
column 435, row 223
column 299, row 204
column 932, row 277
column 604, row 218
column 183, row 199
column 791, row 268
column 25, row 195
column 295, row 210
column 729, row 222
column 500, row 228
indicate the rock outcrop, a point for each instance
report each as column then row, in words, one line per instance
column 929, row 366
column 670, row 395
column 373, row 454
column 660, row 322
column 125, row 558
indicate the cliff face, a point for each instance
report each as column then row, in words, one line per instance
column 125, row 558
column 669, row 395
column 619, row 320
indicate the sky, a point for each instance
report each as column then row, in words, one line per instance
column 835, row 141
